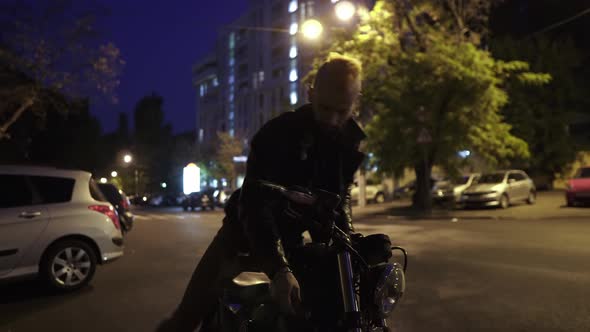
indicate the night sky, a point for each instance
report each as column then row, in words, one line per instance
column 160, row 41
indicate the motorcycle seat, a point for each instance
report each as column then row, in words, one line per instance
column 248, row 279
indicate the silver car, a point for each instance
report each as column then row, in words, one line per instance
column 500, row 189
column 55, row 223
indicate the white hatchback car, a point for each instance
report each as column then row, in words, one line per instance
column 55, row 223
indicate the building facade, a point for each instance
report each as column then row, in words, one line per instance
column 257, row 68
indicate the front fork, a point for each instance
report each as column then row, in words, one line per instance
column 351, row 303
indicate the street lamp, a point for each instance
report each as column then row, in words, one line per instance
column 127, row 158
column 312, row 29
column 103, row 180
column 114, row 174
column 345, row 10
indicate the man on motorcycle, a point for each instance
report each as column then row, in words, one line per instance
column 316, row 146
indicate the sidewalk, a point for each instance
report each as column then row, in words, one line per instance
column 550, row 205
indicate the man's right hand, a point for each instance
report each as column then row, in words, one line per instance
column 285, row 291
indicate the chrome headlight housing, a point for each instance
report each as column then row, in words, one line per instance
column 389, row 288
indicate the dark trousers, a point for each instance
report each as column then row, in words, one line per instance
column 206, row 284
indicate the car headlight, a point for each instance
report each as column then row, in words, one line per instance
column 389, row 288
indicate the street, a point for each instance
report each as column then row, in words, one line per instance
column 525, row 273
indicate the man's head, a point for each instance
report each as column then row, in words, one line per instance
column 335, row 90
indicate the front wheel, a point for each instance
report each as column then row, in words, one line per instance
column 68, row 265
column 532, row 198
column 504, row 201
column 379, row 198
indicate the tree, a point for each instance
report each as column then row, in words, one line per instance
column 542, row 116
column 46, row 55
column 223, row 166
column 152, row 145
column 429, row 91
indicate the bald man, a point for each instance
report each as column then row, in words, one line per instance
column 316, row 147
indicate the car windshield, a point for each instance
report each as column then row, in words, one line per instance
column 492, row 178
column 583, row 173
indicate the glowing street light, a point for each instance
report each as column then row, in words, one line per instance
column 103, row 180
column 114, row 174
column 312, row 29
column 345, row 10
column 127, row 158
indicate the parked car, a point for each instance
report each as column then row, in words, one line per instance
column 374, row 192
column 448, row 191
column 57, row 224
column 202, row 200
column 500, row 189
column 120, row 201
column 578, row 188
column 408, row 190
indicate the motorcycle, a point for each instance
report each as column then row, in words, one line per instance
column 344, row 285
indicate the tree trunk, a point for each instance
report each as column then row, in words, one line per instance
column 362, row 183
column 422, row 200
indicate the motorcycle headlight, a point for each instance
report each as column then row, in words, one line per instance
column 389, row 288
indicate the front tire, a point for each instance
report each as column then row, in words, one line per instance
column 532, row 199
column 68, row 265
column 379, row 198
column 504, row 201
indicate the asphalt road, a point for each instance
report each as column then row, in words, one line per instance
column 520, row 274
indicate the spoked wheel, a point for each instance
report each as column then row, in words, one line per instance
column 69, row 265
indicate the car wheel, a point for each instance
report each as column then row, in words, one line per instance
column 504, row 201
column 379, row 198
column 68, row 265
column 532, row 198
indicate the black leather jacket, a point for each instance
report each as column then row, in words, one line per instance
column 291, row 150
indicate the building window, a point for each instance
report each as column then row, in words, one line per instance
column 293, row 6
column 293, row 52
column 261, row 76
column 201, row 135
column 293, row 76
column 293, row 98
column 293, row 29
column 202, row 90
column 215, row 82
column 255, row 80
column 232, row 132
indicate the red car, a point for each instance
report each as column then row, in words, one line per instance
column 578, row 188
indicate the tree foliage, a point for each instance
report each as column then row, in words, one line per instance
column 541, row 115
column 430, row 91
column 50, row 50
column 223, row 165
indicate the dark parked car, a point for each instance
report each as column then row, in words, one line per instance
column 204, row 199
column 121, row 203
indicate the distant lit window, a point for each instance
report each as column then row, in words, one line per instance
column 215, row 82
column 292, row 6
column 255, row 80
column 293, row 75
column 202, row 90
column 231, row 61
column 231, row 79
column 293, row 52
column 231, row 132
column 232, row 40
column 201, row 134
column 293, row 29
column 231, row 116
column 261, row 76
column 293, row 98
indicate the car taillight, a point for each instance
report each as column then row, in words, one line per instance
column 109, row 212
column 125, row 203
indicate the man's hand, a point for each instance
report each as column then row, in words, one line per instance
column 284, row 289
